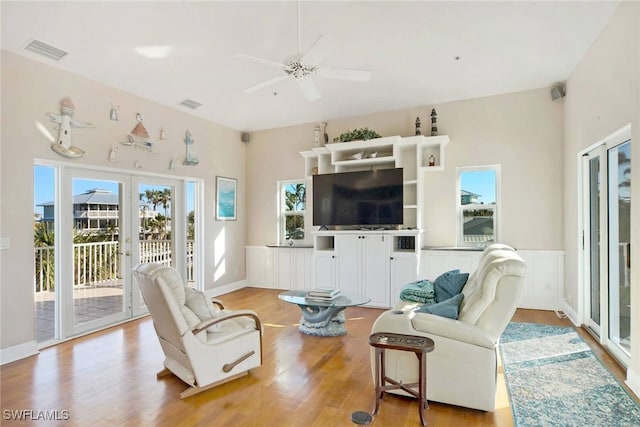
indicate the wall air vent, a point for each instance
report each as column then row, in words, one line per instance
column 44, row 49
column 190, row 103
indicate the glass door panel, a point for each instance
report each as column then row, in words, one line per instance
column 98, row 250
column 594, row 242
column 619, row 168
column 158, row 227
column 44, row 254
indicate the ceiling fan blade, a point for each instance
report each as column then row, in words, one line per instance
column 316, row 53
column 262, row 60
column 309, row 89
column 344, row 74
column 266, row 83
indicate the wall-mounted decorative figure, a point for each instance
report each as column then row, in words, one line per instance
column 190, row 160
column 113, row 115
column 139, row 137
column 434, row 126
column 112, row 154
column 63, row 144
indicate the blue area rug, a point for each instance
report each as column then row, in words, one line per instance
column 554, row 379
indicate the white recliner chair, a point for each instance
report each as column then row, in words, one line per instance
column 462, row 369
column 203, row 345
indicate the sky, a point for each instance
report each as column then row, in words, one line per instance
column 482, row 183
column 44, row 187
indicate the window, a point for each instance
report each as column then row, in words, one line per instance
column 293, row 196
column 478, row 195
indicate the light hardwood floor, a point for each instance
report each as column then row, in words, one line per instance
column 108, row 378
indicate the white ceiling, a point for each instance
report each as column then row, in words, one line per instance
column 503, row 47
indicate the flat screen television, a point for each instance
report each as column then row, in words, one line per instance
column 364, row 198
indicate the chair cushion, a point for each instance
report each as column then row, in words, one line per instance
column 449, row 284
column 447, row 308
column 204, row 309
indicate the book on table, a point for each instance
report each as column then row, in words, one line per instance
column 323, row 294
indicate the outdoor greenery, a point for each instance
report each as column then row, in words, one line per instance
column 295, row 200
column 44, row 237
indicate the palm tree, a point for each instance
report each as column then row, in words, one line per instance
column 43, row 237
column 164, row 199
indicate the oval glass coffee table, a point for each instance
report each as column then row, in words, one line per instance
column 323, row 318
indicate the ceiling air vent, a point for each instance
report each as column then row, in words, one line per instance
column 190, row 103
column 46, row 50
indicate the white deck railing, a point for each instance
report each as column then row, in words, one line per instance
column 96, row 263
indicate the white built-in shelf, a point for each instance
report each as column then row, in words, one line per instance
column 364, row 162
column 410, row 153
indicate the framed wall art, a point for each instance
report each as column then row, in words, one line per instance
column 226, row 198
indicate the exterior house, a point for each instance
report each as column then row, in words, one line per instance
column 96, row 210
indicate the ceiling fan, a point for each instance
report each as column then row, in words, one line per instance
column 303, row 67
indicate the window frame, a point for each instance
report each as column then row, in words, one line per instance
column 283, row 213
column 460, row 208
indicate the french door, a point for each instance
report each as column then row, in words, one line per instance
column 109, row 223
column 606, row 236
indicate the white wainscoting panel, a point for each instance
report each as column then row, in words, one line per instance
column 544, row 282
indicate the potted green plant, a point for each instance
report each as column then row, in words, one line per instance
column 357, row 135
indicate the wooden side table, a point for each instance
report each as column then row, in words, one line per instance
column 382, row 341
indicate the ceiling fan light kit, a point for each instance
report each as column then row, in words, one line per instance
column 303, row 67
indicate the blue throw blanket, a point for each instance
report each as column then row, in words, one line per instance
column 421, row 291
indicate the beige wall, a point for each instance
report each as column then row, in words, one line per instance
column 603, row 95
column 521, row 131
column 29, row 90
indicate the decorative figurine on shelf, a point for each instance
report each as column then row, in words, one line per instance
column 418, row 126
column 190, row 160
column 324, row 132
column 316, row 136
column 432, row 160
column 434, row 126
column 65, row 121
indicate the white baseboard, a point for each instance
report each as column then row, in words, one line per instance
column 221, row 290
column 17, row 352
column 633, row 381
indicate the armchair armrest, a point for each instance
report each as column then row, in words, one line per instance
column 452, row 329
column 217, row 302
column 226, row 316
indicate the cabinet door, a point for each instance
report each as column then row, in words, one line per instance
column 375, row 269
column 403, row 271
column 324, row 273
column 284, row 262
column 349, row 263
column 300, row 269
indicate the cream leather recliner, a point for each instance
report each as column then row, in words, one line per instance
column 203, row 345
column 462, row 369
